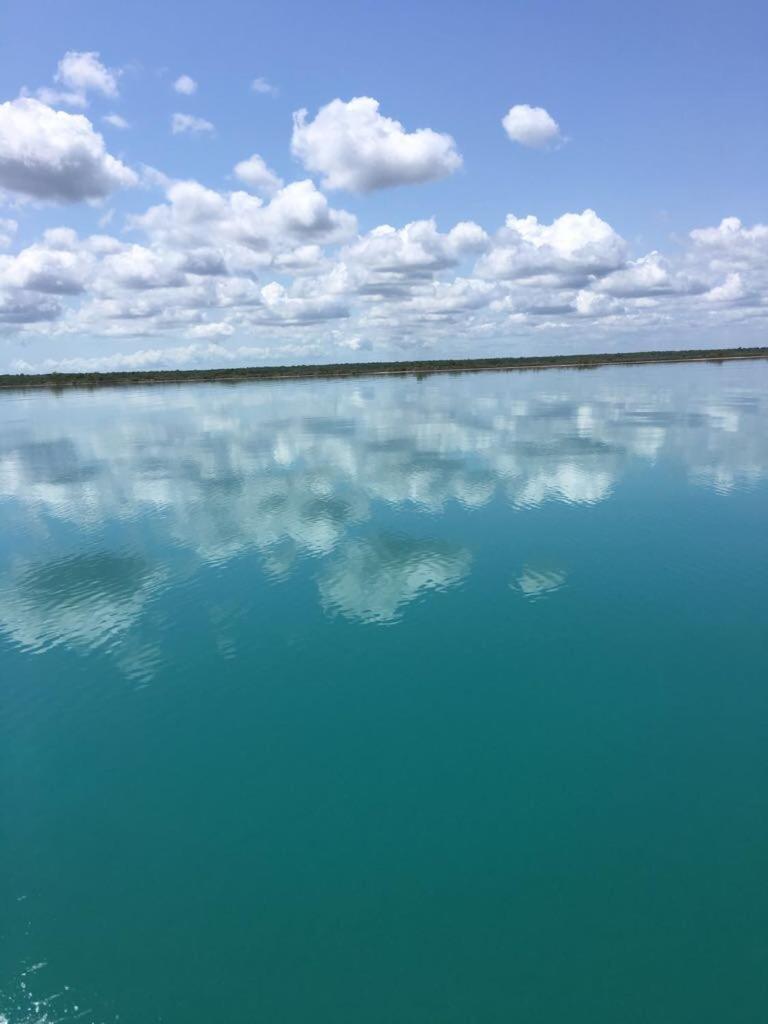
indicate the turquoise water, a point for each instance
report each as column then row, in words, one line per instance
column 390, row 700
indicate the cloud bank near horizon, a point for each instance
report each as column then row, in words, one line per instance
column 266, row 270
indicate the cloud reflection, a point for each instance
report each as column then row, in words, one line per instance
column 536, row 583
column 85, row 600
column 97, row 488
column 371, row 579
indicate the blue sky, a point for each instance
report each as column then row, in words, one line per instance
column 660, row 129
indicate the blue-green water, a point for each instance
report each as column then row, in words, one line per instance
column 394, row 701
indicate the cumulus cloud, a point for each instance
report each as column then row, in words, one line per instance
column 733, row 259
column 195, row 215
column 731, row 290
column 449, row 301
column 388, row 262
column 214, row 264
column 282, row 306
column 255, row 173
column 50, row 154
column 573, row 246
column 45, row 268
column 531, row 126
column 417, row 247
column 265, row 88
column 77, row 75
column 730, row 243
column 356, row 148
column 592, row 304
column 649, row 276
column 731, row 233
column 18, row 308
column 8, row 229
column 188, row 124
column 84, row 72
column 203, row 263
column 185, row 85
column 137, row 267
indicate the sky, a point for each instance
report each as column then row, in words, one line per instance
column 198, row 184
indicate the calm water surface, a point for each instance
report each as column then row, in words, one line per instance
column 387, row 701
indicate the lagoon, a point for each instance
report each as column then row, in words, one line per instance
column 387, row 700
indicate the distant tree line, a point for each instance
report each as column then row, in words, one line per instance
column 421, row 367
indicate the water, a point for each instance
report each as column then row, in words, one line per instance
column 387, row 701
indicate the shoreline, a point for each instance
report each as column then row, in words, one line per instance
column 331, row 371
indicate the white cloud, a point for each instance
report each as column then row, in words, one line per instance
column 185, row 85
column 188, row 124
column 138, row 267
column 356, row 344
column 18, row 308
column 589, row 303
column 281, row 306
column 213, row 264
column 195, row 216
column 731, row 233
column 648, row 276
column 531, row 126
column 8, row 229
column 59, row 98
column 204, row 263
column 731, row 243
column 116, row 120
column 417, row 247
column 393, row 262
column 302, row 211
column 79, row 74
column 265, row 88
column 574, row 246
column 450, row 300
column 219, row 329
column 61, row 238
column 257, row 175
column 177, row 356
column 151, row 177
column 302, row 257
column 49, row 154
column 731, row 290
column 733, row 260
column 44, row 268
column 84, row 71
column 355, row 147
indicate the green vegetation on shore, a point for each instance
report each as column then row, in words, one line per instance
column 419, row 367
